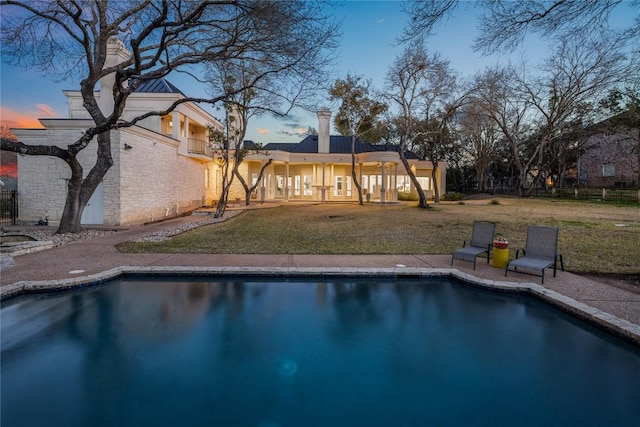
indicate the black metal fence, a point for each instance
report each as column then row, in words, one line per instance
column 8, row 207
column 583, row 193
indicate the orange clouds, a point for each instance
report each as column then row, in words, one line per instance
column 19, row 119
column 46, row 110
column 262, row 131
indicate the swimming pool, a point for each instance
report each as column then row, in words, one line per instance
column 340, row 352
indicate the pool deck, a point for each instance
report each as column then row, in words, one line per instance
column 88, row 261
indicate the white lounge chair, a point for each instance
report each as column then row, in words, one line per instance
column 540, row 252
column 481, row 242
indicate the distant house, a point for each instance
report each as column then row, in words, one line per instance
column 165, row 166
column 610, row 159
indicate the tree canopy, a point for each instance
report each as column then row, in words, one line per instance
column 70, row 40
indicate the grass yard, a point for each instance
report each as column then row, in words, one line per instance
column 594, row 238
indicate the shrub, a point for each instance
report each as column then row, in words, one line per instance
column 451, row 197
column 407, row 197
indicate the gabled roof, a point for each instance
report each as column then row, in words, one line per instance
column 159, row 85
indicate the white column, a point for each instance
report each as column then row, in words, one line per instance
column 395, row 183
column 323, row 190
column 332, row 180
column 315, row 182
column 175, row 120
column 383, row 189
column 286, row 181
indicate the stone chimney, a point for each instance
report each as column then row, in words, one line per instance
column 324, row 115
column 116, row 53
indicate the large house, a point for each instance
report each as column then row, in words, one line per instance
column 611, row 160
column 165, row 166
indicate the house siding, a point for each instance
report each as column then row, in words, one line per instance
column 617, row 149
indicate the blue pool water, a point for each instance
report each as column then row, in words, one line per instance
column 246, row 352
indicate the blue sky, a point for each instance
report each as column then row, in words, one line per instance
column 369, row 30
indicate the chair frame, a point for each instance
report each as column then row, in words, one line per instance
column 542, row 261
column 476, row 248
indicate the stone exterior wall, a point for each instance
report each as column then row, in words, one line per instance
column 43, row 179
column 148, row 182
column 155, row 181
column 617, row 150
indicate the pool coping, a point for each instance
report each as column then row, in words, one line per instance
column 621, row 328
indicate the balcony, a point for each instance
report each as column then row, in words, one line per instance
column 199, row 146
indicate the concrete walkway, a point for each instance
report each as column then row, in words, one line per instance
column 97, row 255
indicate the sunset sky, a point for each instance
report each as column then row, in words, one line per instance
column 369, row 30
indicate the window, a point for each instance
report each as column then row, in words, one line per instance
column 296, row 189
column 424, row 183
column 308, row 191
column 609, row 169
column 403, row 184
column 337, row 190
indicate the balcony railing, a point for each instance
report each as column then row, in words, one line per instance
column 199, row 146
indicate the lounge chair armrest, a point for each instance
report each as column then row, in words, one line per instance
column 518, row 253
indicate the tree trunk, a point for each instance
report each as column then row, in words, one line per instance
column 248, row 190
column 72, row 213
column 422, row 202
column 354, row 175
column 226, row 184
column 436, row 190
column 79, row 189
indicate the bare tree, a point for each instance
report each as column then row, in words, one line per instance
column 358, row 116
column 480, row 136
column 441, row 99
column 256, row 90
column 578, row 73
column 538, row 112
column 70, row 39
column 230, row 148
column 424, row 87
column 505, row 23
column 494, row 94
column 5, row 133
column 404, row 86
column 424, row 17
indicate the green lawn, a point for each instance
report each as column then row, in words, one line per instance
column 591, row 236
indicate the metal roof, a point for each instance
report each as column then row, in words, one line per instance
column 280, row 146
column 159, row 85
column 338, row 144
